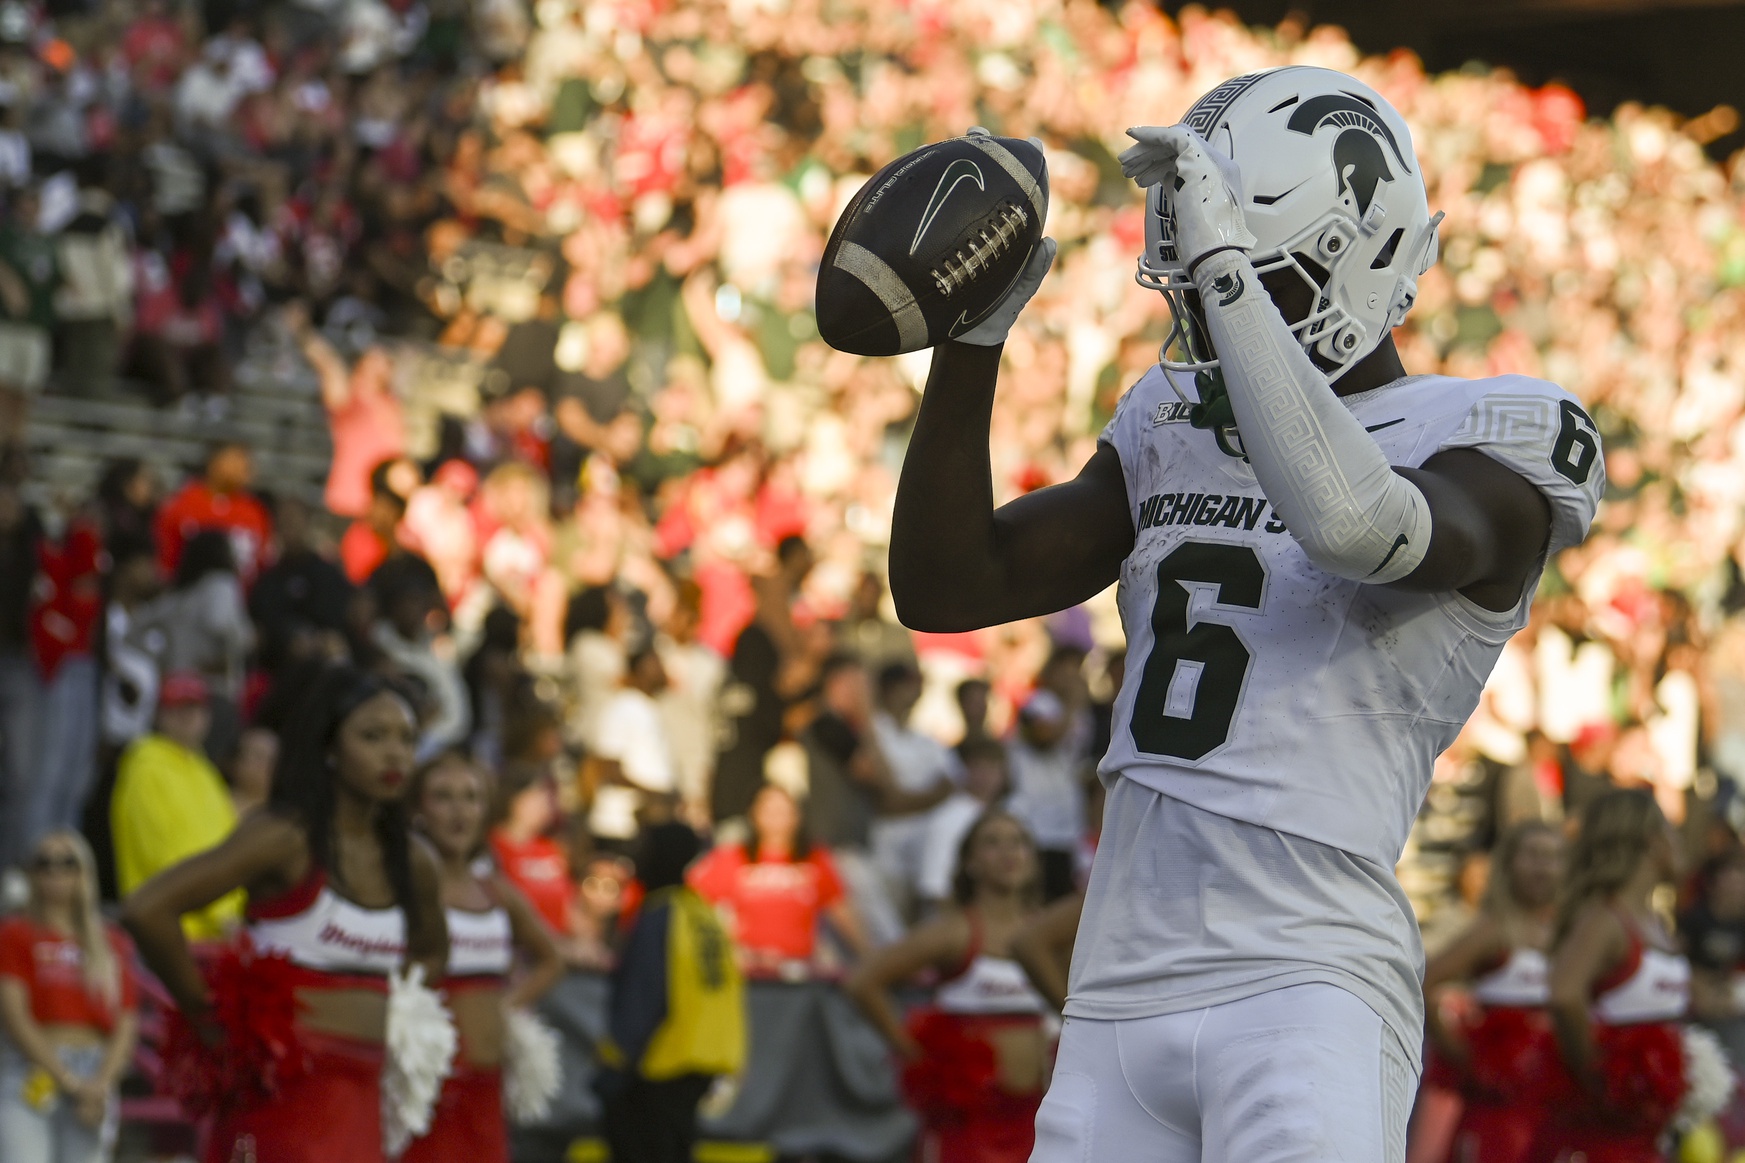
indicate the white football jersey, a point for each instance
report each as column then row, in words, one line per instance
column 1262, row 688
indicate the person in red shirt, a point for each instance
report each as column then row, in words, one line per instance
column 155, row 45
column 67, row 602
column 68, row 594
column 775, row 888
column 364, row 416
column 529, row 858
column 374, row 537
column 69, row 1007
column 219, row 500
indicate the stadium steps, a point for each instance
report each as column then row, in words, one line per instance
column 74, row 431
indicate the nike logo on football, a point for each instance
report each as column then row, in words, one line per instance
column 960, row 170
column 1389, row 424
column 1400, row 543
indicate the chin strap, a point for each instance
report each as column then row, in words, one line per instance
column 1337, row 494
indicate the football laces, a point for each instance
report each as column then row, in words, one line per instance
column 993, row 238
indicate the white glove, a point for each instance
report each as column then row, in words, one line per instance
column 1204, row 188
column 992, row 331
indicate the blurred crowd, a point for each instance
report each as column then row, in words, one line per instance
column 630, row 552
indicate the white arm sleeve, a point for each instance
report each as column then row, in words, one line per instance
column 1341, row 499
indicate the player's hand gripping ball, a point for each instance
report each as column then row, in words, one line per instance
column 943, row 243
column 1203, row 186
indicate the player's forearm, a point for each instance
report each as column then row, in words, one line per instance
column 1329, row 481
column 957, row 563
column 945, row 572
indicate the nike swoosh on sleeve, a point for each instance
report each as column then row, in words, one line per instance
column 1400, row 543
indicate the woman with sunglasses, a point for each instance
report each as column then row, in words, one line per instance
column 489, row 923
column 340, row 898
column 68, row 1005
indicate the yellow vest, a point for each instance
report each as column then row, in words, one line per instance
column 704, row 1031
column 170, row 803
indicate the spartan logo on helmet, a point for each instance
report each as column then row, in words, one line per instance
column 1358, row 158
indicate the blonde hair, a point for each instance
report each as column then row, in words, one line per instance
column 102, row 973
column 1616, row 831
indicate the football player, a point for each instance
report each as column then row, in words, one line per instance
column 1320, row 557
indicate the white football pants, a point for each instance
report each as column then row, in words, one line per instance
column 1305, row 1074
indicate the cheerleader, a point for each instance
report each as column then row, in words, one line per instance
column 1618, row 990
column 1494, row 1057
column 293, row 1021
column 488, row 922
column 977, row 1060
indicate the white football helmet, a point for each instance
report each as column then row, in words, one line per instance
column 1331, row 189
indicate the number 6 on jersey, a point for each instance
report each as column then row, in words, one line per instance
column 1220, row 655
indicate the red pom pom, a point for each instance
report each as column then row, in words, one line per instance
column 254, row 1003
column 1442, row 1074
column 1511, row 1050
column 956, row 1071
column 1641, row 1074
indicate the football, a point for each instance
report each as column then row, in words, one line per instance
column 931, row 244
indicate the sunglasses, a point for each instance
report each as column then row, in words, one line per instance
column 55, row 864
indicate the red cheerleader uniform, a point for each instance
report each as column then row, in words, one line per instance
column 966, row 1114
column 330, row 1108
column 1637, row 1010
column 1511, row 1046
column 468, row 1125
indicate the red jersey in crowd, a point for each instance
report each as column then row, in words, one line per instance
column 541, row 870
column 197, row 506
column 362, row 551
column 51, row 967
column 68, row 596
column 775, row 903
column 155, row 45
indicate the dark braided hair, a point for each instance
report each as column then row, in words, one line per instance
column 304, row 780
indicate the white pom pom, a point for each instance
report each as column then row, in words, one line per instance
column 421, row 1042
column 1708, row 1079
column 532, row 1066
